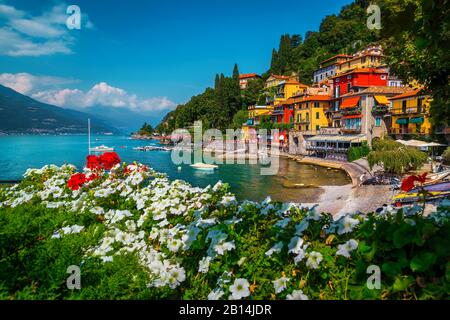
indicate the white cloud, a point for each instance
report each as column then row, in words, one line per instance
column 10, row 12
column 48, row 90
column 26, row 35
column 26, row 83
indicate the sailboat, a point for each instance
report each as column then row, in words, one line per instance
column 101, row 148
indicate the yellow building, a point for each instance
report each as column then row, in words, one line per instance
column 310, row 113
column 255, row 112
column 280, row 88
column 370, row 57
column 410, row 113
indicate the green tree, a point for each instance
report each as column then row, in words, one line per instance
column 236, row 72
column 239, row 118
column 253, row 94
column 395, row 157
column 418, row 48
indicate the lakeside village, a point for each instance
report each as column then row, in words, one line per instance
column 353, row 105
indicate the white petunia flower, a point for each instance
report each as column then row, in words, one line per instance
column 228, row 201
column 174, row 245
column 295, row 245
column 97, row 210
column 275, row 249
column 300, row 256
column 216, row 294
column 346, row 225
column 203, row 265
column 346, row 248
column 302, row 226
column 283, row 223
column 296, row 295
column 240, row 289
column 224, row 246
column 314, row 259
column 280, row 284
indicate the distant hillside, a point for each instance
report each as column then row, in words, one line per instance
column 22, row 114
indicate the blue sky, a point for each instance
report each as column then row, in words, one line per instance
column 154, row 51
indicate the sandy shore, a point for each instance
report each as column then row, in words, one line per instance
column 345, row 199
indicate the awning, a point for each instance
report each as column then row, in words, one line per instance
column 419, row 143
column 401, row 121
column 352, row 116
column 350, row 102
column 338, row 138
column 416, row 120
column 382, row 100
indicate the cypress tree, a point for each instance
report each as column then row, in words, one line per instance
column 216, row 81
column 274, row 64
column 235, row 72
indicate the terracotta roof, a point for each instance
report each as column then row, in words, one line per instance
column 279, row 77
column 361, row 70
column 248, row 75
column 315, row 98
column 410, row 93
column 296, row 82
column 341, row 55
column 378, row 90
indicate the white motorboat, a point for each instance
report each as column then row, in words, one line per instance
column 204, row 166
column 102, row 148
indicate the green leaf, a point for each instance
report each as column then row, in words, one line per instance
column 391, row 268
column 401, row 283
column 422, row 262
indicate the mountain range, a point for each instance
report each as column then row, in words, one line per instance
column 24, row 115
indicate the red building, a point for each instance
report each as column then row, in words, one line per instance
column 354, row 81
column 284, row 113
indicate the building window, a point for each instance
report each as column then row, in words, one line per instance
column 363, row 60
column 383, row 77
column 378, row 122
column 419, row 105
column 337, row 92
column 307, row 116
column 317, row 127
column 349, row 85
column 316, row 104
column 404, row 106
column 317, row 115
column 307, row 127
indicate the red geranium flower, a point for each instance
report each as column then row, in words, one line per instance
column 109, row 160
column 76, row 181
column 93, row 162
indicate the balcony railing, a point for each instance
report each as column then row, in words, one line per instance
column 277, row 112
column 380, row 109
column 408, row 110
column 303, row 121
column 350, row 130
column 351, row 111
column 408, row 131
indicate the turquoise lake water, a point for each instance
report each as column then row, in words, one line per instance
column 21, row 152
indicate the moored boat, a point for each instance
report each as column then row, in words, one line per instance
column 204, row 166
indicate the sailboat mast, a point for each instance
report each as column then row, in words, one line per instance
column 89, row 136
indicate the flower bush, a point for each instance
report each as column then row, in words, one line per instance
column 135, row 234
